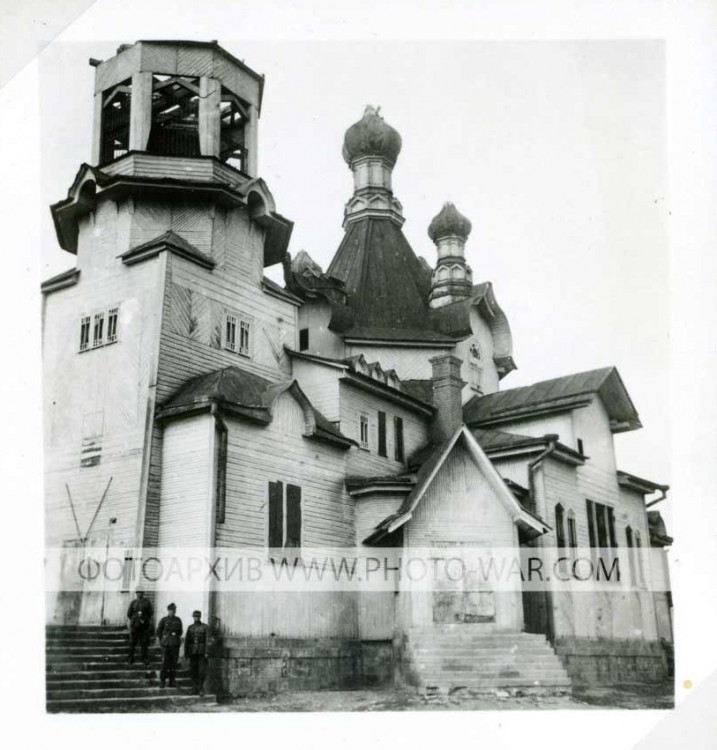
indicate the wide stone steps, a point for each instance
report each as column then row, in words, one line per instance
column 87, row 671
column 116, row 692
column 465, row 657
column 123, row 705
column 108, row 684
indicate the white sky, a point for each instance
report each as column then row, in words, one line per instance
column 554, row 149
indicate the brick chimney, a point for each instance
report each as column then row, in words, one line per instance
column 447, row 387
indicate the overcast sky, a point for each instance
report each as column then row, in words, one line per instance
column 554, row 150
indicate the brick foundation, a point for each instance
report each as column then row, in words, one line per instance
column 593, row 662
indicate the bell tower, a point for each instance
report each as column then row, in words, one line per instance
column 177, row 99
column 172, row 228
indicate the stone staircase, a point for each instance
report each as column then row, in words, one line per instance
column 87, row 671
column 446, row 658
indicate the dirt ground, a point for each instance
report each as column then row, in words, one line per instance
column 623, row 697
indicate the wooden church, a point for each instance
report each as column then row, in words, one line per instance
column 193, row 403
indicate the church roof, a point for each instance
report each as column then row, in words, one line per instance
column 554, row 395
column 247, row 395
column 386, row 284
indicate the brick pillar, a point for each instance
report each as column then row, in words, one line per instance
column 447, row 387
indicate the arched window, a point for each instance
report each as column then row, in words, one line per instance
column 640, row 564
column 572, row 533
column 475, row 367
column 631, row 553
column 560, row 526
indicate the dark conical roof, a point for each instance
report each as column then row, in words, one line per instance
column 386, row 284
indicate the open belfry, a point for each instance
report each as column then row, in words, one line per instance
column 193, row 404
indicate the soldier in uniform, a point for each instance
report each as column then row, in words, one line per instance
column 169, row 632
column 139, row 615
column 196, row 649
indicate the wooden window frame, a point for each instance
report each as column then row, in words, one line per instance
column 364, row 433
column 236, row 333
column 99, row 328
column 285, row 518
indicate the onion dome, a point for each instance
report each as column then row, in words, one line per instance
column 449, row 223
column 371, row 136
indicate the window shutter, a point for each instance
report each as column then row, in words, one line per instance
column 382, row 433
column 591, row 522
column 398, row 429
column 293, row 516
column 559, row 526
column 276, row 515
column 611, row 527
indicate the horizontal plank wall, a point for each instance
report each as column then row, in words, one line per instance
column 362, row 462
column 109, row 385
column 280, row 452
column 185, row 507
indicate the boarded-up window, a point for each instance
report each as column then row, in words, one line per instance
column 382, row 433
column 398, row 439
column 92, row 430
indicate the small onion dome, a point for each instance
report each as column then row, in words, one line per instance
column 371, row 136
column 449, row 223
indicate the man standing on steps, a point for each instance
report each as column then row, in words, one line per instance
column 169, row 632
column 196, row 649
column 139, row 615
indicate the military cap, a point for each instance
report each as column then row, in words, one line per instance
column 172, row 606
column 196, row 613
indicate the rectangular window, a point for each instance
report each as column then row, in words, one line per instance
column 85, row 333
column 220, row 471
column 572, row 532
column 112, row 320
column 560, row 526
column 244, row 337
column 303, row 339
column 398, row 439
column 382, row 433
column 363, row 431
column 284, row 516
column 98, row 333
column 230, row 333
column 581, row 450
